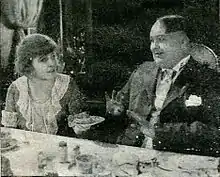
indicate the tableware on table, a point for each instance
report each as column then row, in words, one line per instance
column 125, row 164
column 84, row 119
column 5, row 167
column 98, row 166
column 7, row 143
column 5, row 134
column 11, row 145
column 63, row 152
column 49, row 169
column 84, row 163
column 42, row 160
column 104, row 174
column 218, row 166
column 73, row 154
column 46, row 164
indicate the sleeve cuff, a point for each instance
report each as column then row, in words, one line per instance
column 9, row 119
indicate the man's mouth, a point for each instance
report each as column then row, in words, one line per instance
column 158, row 53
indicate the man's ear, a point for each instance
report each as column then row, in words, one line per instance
column 185, row 41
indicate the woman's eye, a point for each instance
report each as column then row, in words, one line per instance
column 54, row 56
column 43, row 59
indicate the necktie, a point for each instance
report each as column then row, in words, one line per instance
column 168, row 74
column 163, row 86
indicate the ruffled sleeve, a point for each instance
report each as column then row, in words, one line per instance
column 76, row 103
column 74, row 99
column 10, row 115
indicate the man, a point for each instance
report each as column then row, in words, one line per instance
column 173, row 89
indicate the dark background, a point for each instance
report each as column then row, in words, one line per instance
column 116, row 41
column 116, row 38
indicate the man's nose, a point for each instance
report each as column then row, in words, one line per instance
column 155, row 45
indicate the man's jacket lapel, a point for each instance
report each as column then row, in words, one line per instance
column 143, row 101
column 180, row 85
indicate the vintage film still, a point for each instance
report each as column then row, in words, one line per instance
column 110, row 88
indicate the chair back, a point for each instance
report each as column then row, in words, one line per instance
column 205, row 55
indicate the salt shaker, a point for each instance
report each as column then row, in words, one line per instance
column 75, row 153
column 41, row 160
column 218, row 166
column 63, row 151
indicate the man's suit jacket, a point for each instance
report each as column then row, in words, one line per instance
column 194, row 79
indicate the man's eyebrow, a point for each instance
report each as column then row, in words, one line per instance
column 161, row 35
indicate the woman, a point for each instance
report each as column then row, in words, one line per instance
column 41, row 100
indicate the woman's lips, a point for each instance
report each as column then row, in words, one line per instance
column 51, row 71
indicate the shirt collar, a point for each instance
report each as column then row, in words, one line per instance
column 182, row 63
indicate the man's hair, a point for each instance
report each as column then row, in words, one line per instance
column 174, row 23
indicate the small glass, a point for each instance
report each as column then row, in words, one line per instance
column 75, row 152
column 49, row 170
column 42, row 160
column 84, row 163
column 63, row 151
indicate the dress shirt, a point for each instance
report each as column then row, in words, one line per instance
column 165, row 79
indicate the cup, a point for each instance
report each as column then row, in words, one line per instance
column 84, row 163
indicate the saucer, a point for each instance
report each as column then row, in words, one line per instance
column 13, row 144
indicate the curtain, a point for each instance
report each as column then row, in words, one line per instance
column 18, row 15
column 5, row 44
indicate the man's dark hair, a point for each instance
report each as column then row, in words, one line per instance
column 174, row 23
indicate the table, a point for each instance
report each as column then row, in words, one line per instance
column 23, row 159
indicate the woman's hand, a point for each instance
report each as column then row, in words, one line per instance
column 114, row 106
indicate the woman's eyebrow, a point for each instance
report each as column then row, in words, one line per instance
column 41, row 57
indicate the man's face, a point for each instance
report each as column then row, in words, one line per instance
column 167, row 48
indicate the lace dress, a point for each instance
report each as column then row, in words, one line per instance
column 23, row 112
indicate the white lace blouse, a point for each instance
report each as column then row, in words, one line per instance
column 23, row 112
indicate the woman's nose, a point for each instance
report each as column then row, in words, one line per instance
column 51, row 61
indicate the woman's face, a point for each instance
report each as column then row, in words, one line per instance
column 45, row 66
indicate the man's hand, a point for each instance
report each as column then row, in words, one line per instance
column 196, row 127
column 146, row 128
column 139, row 119
column 114, row 106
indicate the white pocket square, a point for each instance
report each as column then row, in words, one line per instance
column 193, row 100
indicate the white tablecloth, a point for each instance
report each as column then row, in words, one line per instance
column 23, row 159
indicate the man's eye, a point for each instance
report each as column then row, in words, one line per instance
column 161, row 38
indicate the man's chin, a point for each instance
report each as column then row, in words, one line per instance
column 158, row 60
column 163, row 63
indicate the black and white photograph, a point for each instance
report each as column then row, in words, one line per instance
column 110, row 88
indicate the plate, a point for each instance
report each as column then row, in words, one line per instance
column 13, row 144
column 91, row 120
